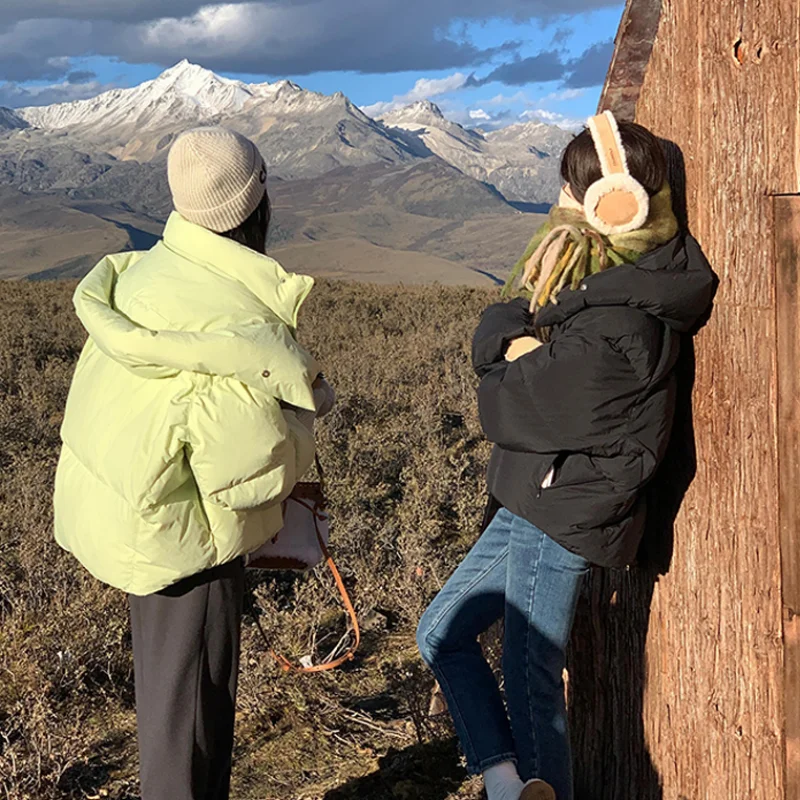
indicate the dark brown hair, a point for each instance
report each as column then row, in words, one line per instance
column 253, row 231
column 580, row 164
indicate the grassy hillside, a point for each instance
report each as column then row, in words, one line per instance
column 405, row 458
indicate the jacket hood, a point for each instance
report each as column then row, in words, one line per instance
column 674, row 283
column 264, row 356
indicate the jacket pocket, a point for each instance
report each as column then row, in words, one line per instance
column 569, row 470
column 546, row 477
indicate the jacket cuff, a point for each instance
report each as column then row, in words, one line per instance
column 500, row 324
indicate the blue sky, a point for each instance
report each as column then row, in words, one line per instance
column 485, row 64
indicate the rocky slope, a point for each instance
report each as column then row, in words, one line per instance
column 10, row 120
column 521, row 161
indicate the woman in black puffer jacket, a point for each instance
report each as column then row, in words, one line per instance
column 577, row 393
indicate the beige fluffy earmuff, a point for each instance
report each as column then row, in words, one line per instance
column 617, row 203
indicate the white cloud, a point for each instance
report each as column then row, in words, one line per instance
column 566, row 94
column 222, row 30
column 504, row 100
column 378, row 109
column 15, row 96
column 477, row 117
column 540, row 113
column 424, row 89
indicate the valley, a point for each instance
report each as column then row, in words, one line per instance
column 409, row 197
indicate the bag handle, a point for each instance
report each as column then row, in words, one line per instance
column 284, row 662
column 320, row 471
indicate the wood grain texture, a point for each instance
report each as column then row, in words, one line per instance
column 703, row 645
column 787, row 264
column 632, row 50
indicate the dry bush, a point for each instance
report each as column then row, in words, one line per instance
column 405, row 460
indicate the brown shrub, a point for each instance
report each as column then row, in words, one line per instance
column 405, row 460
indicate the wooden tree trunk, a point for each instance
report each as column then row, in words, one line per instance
column 685, row 687
column 787, row 228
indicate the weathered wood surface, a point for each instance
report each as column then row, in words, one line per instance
column 787, row 264
column 632, row 50
column 685, row 701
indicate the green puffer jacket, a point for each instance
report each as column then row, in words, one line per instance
column 178, row 448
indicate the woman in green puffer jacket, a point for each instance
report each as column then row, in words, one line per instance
column 189, row 421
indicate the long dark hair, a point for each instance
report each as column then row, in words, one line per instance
column 254, row 230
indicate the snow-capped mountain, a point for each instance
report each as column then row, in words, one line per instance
column 303, row 134
column 548, row 139
column 10, row 121
column 521, row 161
column 185, row 91
column 422, row 114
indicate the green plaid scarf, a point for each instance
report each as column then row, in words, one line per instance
column 576, row 250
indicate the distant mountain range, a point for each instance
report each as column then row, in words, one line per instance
column 304, row 134
column 105, row 157
column 521, row 161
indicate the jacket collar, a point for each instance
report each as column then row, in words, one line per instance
column 283, row 293
column 264, row 356
column 673, row 283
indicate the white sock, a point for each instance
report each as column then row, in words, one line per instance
column 503, row 782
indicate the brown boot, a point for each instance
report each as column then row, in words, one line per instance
column 537, row 790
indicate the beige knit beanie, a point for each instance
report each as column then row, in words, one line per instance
column 217, row 177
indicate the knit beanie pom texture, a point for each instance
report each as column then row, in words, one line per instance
column 217, row 177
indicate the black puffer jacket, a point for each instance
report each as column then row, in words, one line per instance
column 596, row 403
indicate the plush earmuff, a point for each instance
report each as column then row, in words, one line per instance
column 617, row 203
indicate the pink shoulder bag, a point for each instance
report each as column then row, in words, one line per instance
column 300, row 546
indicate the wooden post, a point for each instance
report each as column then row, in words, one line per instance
column 688, row 687
column 787, row 262
column 632, row 51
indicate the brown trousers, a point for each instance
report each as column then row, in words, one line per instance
column 186, row 664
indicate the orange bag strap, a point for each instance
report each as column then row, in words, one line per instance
column 284, row 662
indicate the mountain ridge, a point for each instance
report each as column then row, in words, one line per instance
column 522, row 161
column 202, row 91
column 10, row 120
column 303, row 134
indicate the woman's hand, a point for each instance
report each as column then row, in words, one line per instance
column 521, row 346
column 500, row 323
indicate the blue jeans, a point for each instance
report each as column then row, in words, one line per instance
column 517, row 572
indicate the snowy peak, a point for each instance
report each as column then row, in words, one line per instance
column 521, row 161
column 184, row 76
column 422, row 113
column 185, row 70
column 538, row 136
column 425, row 108
column 185, row 91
